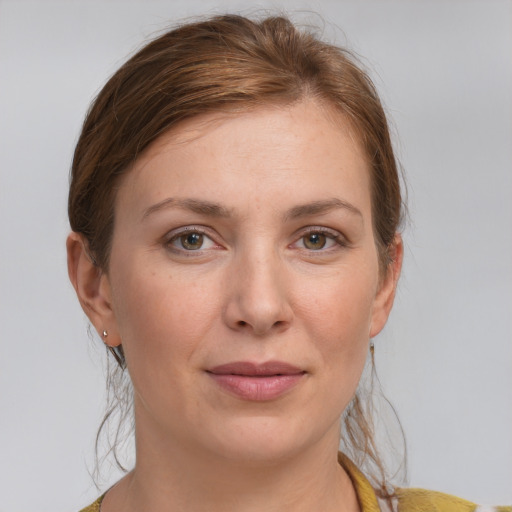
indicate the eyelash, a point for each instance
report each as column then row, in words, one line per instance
column 339, row 240
column 330, row 234
column 189, row 230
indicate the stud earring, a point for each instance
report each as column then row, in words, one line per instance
column 105, row 334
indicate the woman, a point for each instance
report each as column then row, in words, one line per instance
column 235, row 207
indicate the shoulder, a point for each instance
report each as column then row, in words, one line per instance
column 421, row 500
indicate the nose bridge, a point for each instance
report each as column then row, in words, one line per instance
column 259, row 299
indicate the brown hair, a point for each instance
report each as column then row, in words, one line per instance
column 228, row 63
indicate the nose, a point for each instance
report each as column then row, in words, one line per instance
column 258, row 300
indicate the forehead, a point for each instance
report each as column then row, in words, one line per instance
column 279, row 154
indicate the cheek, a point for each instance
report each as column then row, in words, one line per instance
column 338, row 317
column 343, row 302
column 161, row 319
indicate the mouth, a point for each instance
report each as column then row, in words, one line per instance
column 257, row 381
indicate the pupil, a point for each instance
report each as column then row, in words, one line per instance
column 192, row 241
column 315, row 241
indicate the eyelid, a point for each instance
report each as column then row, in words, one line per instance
column 333, row 234
column 176, row 233
column 340, row 239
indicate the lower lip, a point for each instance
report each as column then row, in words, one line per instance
column 257, row 388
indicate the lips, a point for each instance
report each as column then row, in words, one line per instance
column 257, row 382
column 256, row 370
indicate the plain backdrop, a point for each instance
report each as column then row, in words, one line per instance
column 444, row 69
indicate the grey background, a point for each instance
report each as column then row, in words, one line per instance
column 444, row 70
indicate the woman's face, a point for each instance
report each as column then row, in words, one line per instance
column 244, row 281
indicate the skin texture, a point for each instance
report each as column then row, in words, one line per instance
column 261, row 287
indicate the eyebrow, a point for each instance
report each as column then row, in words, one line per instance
column 211, row 209
column 321, row 207
column 195, row 205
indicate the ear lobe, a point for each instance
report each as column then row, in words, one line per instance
column 387, row 287
column 92, row 288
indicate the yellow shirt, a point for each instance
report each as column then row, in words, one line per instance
column 409, row 500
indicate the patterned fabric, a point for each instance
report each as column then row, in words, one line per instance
column 408, row 500
column 420, row 500
column 94, row 507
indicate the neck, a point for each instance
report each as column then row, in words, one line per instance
column 171, row 477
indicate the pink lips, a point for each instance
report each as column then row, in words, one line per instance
column 257, row 382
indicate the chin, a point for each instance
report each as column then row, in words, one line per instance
column 265, row 441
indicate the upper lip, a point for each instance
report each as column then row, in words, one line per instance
column 250, row 369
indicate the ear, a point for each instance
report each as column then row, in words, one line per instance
column 92, row 287
column 387, row 287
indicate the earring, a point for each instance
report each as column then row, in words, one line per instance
column 372, row 348
column 117, row 352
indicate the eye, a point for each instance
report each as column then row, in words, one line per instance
column 314, row 241
column 191, row 240
column 317, row 240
